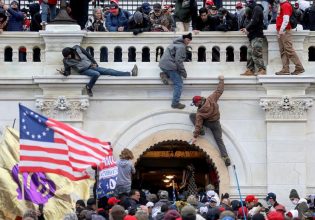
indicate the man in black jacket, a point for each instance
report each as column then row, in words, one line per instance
column 255, row 34
column 139, row 23
column 309, row 17
column 79, row 59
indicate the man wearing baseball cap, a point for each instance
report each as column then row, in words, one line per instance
column 208, row 114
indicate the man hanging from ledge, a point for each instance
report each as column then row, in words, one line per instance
column 81, row 61
column 208, row 114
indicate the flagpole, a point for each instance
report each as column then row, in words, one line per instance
column 239, row 192
column 96, row 185
column 23, row 188
column 13, row 123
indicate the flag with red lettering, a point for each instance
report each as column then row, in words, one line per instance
column 50, row 146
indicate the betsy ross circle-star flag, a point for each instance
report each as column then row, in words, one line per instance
column 50, row 146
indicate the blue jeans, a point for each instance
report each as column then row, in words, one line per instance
column 95, row 72
column 265, row 4
column 177, row 80
column 52, row 10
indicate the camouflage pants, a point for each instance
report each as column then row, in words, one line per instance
column 255, row 55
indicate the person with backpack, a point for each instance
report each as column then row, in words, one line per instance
column 284, row 29
column 117, row 18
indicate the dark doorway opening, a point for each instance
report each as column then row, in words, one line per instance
column 171, row 158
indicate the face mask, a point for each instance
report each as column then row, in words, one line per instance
column 295, row 201
column 268, row 203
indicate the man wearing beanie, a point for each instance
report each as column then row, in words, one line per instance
column 300, row 204
column 79, row 59
column 275, row 206
column 139, row 23
column 172, row 65
column 208, row 114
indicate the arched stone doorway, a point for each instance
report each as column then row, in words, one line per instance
column 171, row 158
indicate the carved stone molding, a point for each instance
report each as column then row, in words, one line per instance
column 63, row 108
column 286, row 108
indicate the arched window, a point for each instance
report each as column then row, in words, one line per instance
column 132, row 54
column 311, row 53
column 22, row 54
column 145, row 54
column 215, row 54
column 8, row 53
column 243, row 54
column 36, row 54
column 229, row 54
column 202, row 54
column 117, row 54
column 158, row 54
column 90, row 50
column 104, row 54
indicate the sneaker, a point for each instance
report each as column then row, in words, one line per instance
column 227, row 161
column 134, row 71
column 164, row 78
column 283, row 72
column 248, row 72
column 89, row 91
column 298, row 71
column 178, row 105
column 261, row 72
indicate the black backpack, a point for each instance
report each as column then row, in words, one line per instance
column 293, row 18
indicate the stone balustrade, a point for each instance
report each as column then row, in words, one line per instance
column 225, row 52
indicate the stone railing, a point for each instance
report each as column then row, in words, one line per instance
column 25, row 53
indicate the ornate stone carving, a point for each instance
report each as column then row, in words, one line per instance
column 62, row 108
column 286, row 108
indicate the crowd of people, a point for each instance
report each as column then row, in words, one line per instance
column 156, row 17
column 205, row 205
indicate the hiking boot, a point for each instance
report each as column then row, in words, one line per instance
column 227, row 161
column 298, row 71
column 164, row 78
column 178, row 105
column 89, row 91
column 134, row 71
column 283, row 72
column 248, row 72
column 261, row 72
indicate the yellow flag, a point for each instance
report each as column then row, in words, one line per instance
column 57, row 193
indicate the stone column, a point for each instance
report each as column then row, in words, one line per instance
column 57, row 37
column 286, row 107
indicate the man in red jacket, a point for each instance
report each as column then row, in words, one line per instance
column 285, row 41
column 208, row 114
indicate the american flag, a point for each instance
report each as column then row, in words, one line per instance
column 50, row 146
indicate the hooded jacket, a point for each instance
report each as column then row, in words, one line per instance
column 174, row 56
column 256, row 25
column 209, row 111
column 125, row 170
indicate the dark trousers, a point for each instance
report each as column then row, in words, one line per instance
column 216, row 130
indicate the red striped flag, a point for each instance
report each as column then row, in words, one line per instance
column 47, row 145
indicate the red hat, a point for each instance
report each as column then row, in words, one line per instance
column 209, row 2
column 251, row 198
column 239, row 5
column 115, row 1
column 196, row 99
column 112, row 201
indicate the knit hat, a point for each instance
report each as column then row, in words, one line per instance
column 138, row 17
column 163, row 194
column 146, row 7
column 171, row 215
column 189, row 36
column 271, row 195
column 195, row 99
column 157, row 7
column 274, row 215
column 187, row 211
column 293, row 194
column 115, row 1
column 66, row 51
column 209, row 2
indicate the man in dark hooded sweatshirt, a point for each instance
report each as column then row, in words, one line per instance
column 172, row 65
